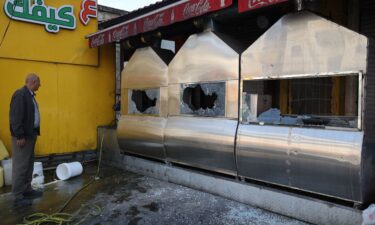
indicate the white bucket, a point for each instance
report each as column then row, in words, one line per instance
column 68, row 170
column 7, row 166
column 38, row 176
column 37, row 182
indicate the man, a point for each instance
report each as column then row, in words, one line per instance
column 24, row 127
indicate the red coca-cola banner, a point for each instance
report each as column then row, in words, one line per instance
column 246, row 5
column 178, row 12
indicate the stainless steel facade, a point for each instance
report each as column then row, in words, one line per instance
column 304, row 43
column 327, row 161
column 204, row 140
column 206, row 143
column 142, row 133
column 315, row 160
column 324, row 161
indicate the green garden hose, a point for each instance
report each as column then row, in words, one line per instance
column 60, row 218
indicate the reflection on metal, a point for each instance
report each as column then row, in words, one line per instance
column 203, row 104
column 206, row 143
column 231, row 111
column 145, row 70
column 142, row 135
column 204, row 58
column 325, row 161
column 144, row 105
column 304, row 43
column 315, row 160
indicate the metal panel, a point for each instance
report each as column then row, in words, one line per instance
column 304, row 43
column 327, row 162
column 203, row 58
column 145, row 70
column 368, row 156
column 206, row 143
column 231, row 111
column 174, row 99
column 262, row 152
column 142, row 135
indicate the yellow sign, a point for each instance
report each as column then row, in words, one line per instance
column 26, row 41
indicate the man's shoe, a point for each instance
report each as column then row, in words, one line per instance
column 22, row 202
column 33, row 194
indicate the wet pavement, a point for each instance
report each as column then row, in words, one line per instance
column 128, row 198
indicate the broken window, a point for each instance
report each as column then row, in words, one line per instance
column 204, row 99
column 144, row 101
column 318, row 102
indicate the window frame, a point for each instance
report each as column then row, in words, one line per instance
column 158, row 103
column 317, row 75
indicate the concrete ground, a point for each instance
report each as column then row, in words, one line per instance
column 128, row 198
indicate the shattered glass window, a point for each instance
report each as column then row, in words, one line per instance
column 203, row 99
column 144, row 102
column 314, row 102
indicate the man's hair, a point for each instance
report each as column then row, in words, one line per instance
column 31, row 77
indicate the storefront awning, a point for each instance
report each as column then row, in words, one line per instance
column 173, row 13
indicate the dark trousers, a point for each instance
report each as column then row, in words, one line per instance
column 22, row 166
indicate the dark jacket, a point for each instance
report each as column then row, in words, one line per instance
column 21, row 115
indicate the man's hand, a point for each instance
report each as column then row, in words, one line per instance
column 21, row 142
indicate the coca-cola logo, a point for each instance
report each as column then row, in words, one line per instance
column 152, row 23
column 254, row 3
column 260, row 3
column 98, row 40
column 196, row 9
column 121, row 33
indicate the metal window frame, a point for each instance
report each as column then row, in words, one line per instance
column 360, row 100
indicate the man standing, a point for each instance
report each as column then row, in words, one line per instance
column 24, row 127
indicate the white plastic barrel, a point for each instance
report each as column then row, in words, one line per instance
column 66, row 171
column 7, row 166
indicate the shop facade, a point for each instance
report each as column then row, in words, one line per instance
column 273, row 91
column 77, row 83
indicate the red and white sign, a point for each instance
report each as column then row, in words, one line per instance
column 246, row 5
column 180, row 11
column 88, row 9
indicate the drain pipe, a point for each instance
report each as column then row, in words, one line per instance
column 117, row 107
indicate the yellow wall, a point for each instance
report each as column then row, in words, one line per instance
column 77, row 92
column 32, row 42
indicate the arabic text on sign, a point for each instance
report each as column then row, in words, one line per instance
column 88, row 9
column 52, row 18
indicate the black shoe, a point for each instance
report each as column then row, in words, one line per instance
column 33, row 194
column 22, row 202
